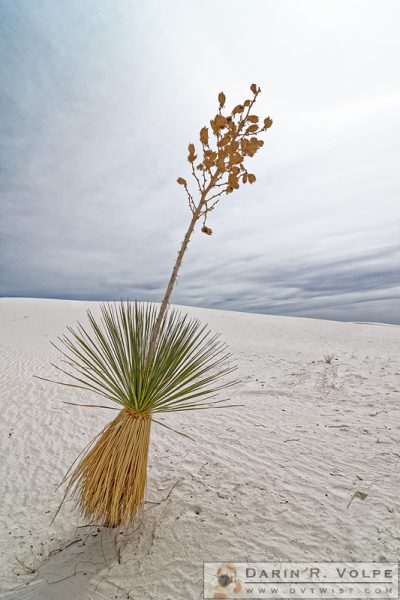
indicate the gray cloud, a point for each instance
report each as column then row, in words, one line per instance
column 97, row 106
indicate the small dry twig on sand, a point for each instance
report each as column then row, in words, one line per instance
column 328, row 358
column 29, row 570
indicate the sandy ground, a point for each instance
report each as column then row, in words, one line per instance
column 276, row 479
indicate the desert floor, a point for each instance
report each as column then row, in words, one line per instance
column 308, row 468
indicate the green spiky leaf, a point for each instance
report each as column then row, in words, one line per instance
column 111, row 357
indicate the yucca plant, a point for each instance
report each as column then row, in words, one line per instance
column 111, row 358
column 151, row 360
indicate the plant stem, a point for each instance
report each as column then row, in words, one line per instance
column 178, row 262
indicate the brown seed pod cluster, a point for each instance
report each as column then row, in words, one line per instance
column 221, row 168
column 206, row 230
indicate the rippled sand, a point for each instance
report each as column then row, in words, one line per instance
column 276, row 478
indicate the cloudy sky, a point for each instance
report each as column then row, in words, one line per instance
column 98, row 101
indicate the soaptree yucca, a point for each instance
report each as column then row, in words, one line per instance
column 111, row 358
column 151, row 360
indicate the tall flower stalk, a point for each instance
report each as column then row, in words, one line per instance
column 220, row 171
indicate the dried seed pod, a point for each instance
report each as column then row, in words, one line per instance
column 210, row 155
column 252, row 129
column 181, row 181
column 267, row 123
column 232, row 128
column 252, row 147
column 224, row 140
column 236, row 159
column 220, row 121
column 206, row 230
column 233, row 181
column 252, row 118
column 221, row 164
column 238, row 109
column 221, row 99
column 192, row 156
column 252, row 178
column 204, row 136
column 253, row 88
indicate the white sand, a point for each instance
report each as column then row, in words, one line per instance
column 270, row 480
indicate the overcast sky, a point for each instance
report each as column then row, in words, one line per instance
column 98, row 101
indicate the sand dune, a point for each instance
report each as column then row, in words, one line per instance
column 274, row 479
